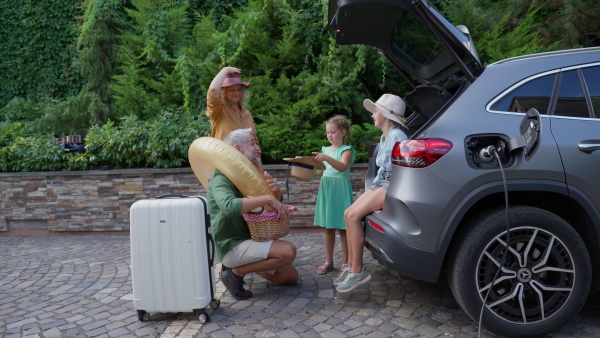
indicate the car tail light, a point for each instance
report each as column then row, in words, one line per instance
column 376, row 226
column 419, row 153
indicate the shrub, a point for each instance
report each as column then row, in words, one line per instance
column 362, row 138
column 32, row 154
column 20, row 109
column 118, row 146
column 133, row 143
column 160, row 143
column 170, row 136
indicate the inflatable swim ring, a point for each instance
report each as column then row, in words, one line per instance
column 208, row 153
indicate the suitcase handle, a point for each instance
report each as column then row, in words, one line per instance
column 171, row 196
column 211, row 258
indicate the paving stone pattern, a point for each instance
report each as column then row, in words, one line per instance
column 80, row 286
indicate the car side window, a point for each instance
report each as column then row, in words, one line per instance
column 533, row 94
column 571, row 97
column 592, row 81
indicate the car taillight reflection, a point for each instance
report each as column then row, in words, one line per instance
column 419, row 153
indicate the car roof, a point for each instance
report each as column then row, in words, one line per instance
column 568, row 56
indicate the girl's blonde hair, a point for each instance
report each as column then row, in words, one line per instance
column 341, row 123
column 243, row 101
column 397, row 125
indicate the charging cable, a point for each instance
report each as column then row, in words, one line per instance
column 485, row 153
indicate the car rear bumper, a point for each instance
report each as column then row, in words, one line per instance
column 393, row 252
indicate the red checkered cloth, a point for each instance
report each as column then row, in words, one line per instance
column 266, row 216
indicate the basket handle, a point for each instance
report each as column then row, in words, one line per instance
column 287, row 181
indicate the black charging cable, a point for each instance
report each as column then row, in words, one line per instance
column 492, row 150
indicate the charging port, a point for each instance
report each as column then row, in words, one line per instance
column 479, row 150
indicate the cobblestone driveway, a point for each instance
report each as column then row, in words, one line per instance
column 80, row 286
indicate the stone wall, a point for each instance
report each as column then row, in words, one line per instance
column 99, row 200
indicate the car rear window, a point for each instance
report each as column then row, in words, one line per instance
column 533, row 94
column 571, row 96
column 416, row 39
column 592, row 81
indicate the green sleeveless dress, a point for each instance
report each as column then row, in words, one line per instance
column 335, row 191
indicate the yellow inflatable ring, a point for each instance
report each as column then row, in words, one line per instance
column 208, row 153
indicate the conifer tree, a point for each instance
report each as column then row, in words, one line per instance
column 148, row 81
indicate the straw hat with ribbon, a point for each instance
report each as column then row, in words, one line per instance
column 304, row 168
column 391, row 106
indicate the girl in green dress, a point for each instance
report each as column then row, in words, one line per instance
column 335, row 189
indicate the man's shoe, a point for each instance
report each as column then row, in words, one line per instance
column 235, row 285
column 222, row 274
column 353, row 280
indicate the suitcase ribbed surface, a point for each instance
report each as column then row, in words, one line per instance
column 169, row 256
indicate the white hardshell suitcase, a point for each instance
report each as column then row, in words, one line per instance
column 172, row 255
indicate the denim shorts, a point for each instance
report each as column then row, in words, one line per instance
column 247, row 252
column 384, row 182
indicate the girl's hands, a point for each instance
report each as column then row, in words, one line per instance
column 319, row 157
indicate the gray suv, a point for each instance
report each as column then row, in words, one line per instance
column 498, row 183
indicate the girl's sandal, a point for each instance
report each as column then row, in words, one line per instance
column 325, row 268
column 344, row 266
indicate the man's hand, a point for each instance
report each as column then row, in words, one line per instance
column 282, row 211
column 272, row 202
column 272, row 185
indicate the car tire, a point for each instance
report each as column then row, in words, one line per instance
column 561, row 276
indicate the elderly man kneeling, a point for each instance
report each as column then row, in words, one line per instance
column 239, row 254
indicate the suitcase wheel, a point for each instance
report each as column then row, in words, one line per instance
column 143, row 315
column 203, row 318
column 214, row 304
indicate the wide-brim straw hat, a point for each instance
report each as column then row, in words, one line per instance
column 391, row 106
column 304, row 168
column 233, row 79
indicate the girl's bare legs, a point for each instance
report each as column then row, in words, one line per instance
column 368, row 202
column 329, row 243
column 344, row 243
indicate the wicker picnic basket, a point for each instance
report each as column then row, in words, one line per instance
column 263, row 227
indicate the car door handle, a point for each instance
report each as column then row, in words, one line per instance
column 589, row 146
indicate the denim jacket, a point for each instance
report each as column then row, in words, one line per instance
column 384, row 153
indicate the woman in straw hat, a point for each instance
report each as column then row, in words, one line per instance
column 388, row 115
column 226, row 105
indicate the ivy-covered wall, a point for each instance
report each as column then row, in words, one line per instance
column 37, row 47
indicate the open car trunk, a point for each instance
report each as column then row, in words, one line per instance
column 435, row 57
column 427, row 101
